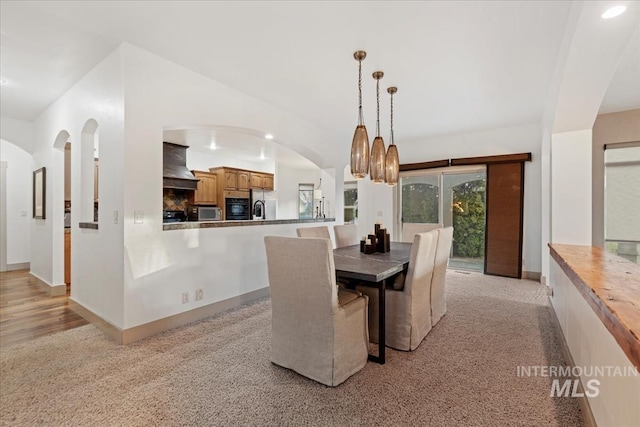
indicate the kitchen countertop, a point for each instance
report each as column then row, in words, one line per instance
column 219, row 224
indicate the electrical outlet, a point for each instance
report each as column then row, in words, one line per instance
column 199, row 294
column 185, row 297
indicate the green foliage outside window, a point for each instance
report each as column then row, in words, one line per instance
column 469, row 219
column 420, row 203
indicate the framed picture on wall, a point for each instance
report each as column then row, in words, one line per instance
column 39, row 193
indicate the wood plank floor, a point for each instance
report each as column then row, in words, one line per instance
column 27, row 312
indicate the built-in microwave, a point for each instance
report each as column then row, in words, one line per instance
column 204, row 213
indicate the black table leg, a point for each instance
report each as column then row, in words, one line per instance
column 381, row 325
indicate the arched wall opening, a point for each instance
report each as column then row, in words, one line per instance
column 89, row 172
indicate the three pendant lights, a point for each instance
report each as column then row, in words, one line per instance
column 381, row 166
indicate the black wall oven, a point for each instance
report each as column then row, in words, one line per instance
column 237, row 208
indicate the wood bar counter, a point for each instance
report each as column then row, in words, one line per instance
column 611, row 286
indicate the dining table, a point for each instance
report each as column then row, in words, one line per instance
column 373, row 270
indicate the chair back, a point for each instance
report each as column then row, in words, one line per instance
column 421, row 262
column 346, row 235
column 302, row 283
column 409, row 230
column 438, row 297
column 321, row 232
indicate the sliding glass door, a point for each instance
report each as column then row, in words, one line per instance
column 443, row 198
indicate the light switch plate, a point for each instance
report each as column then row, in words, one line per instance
column 115, row 217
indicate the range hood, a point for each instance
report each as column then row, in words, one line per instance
column 174, row 171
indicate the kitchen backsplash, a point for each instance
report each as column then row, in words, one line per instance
column 174, row 200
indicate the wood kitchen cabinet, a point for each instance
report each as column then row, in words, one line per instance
column 67, row 257
column 243, row 180
column 262, row 181
column 230, row 179
column 267, row 182
column 207, row 189
column 256, row 180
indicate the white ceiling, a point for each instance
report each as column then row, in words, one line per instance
column 237, row 143
column 459, row 66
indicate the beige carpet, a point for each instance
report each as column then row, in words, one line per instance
column 217, row 372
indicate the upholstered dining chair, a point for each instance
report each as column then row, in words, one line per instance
column 443, row 248
column 346, row 235
column 408, row 310
column 321, row 232
column 409, row 230
column 317, row 330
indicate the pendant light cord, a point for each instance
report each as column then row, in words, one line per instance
column 392, row 141
column 360, row 117
column 378, row 107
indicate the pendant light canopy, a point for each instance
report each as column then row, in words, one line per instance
column 360, row 144
column 392, row 161
column 377, row 151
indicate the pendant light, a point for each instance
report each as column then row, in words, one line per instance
column 377, row 169
column 360, row 144
column 392, row 161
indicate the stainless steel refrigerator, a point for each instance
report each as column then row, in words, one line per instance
column 264, row 204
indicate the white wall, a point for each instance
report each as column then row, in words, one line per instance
column 571, row 187
column 592, row 345
column 197, row 160
column 97, row 255
column 376, row 201
column 19, row 132
column 287, row 181
column 610, row 128
column 158, row 264
column 18, row 208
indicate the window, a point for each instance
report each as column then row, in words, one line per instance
column 305, row 201
column 350, row 202
column 622, row 200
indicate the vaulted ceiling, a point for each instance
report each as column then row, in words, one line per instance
column 459, row 66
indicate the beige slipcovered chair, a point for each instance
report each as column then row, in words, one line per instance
column 346, row 235
column 443, row 248
column 407, row 311
column 316, row 330
column 409, row 230
column 321, row 232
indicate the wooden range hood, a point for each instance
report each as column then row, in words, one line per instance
column 174, row 168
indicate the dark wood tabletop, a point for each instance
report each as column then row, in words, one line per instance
column 352, row 264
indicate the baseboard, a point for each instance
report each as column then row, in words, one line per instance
column 531, row 275
column 137, row 333
column 543, row 280
column 111, row 330
column 589, row 420
column 18, row 266
column 52, row 290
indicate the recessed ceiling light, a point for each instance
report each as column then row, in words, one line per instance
column 268, row 136
column 613, row 12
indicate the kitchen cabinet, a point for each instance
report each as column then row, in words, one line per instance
column 267, row 182
column 96, row 175
column 262, row 181
column 230, row 180
column 256, row 180
column 67, row 172
column 67, row 257
column 207, row 188
column 243, row 180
